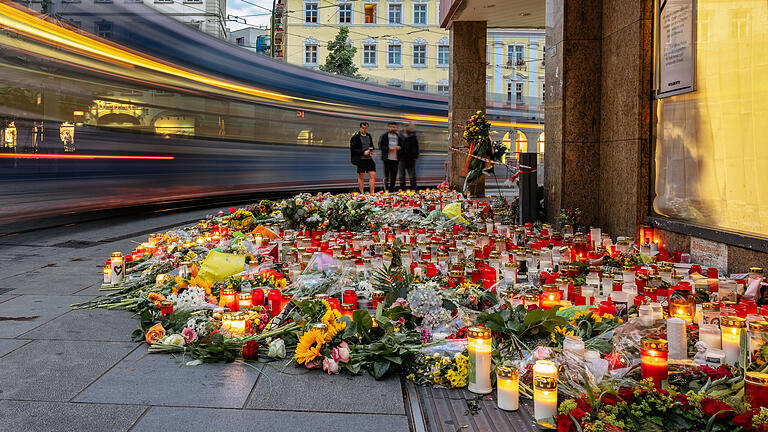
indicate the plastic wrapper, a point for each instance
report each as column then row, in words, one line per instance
column 446, row 347
column 626, row 344
column 461, row 320
column 217, row 266
column 575, row 374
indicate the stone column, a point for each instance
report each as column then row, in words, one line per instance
column 467, row 91
column 572, row 107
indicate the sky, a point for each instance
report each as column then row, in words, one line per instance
column 253, row 15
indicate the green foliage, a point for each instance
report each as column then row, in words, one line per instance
column 340, row 60
column 393, row 281
column 519, row 325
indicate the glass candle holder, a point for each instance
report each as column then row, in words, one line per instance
column 682, row 305
column 756, row 389
column 274, row 301
column 758, row 333
column 710, row 335
column 544, row 390
column 228, row 299
column 347, row 309
column 479, row 346
column 237, row 324
column 710, row 313
column 574, row 344
column 507, row 388
column 244, row 300
column 550, row 296
column 654, row 361
column 377, row 297
column 166, row 307
column 731, row 328
column 117, row 267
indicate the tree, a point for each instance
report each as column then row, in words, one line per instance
column 341, row 57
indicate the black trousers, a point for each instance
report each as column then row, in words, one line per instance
column 408, row 165
column 390, row 174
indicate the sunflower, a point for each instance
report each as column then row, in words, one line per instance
column 564, row 331
column 331, row 321
column 309, row 346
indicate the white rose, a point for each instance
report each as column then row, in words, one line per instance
column 174, row 339
column 276, row 349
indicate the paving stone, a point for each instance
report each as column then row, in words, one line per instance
column 56, row 370
column 59, row 280
column 88, row 325
column 312, row 391
column 8, row 345
column 162, row 418
column 66, row 417
column 47, row 307
column 159, row 379
column 91, row 291
column 6, row 297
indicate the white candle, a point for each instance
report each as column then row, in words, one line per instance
column 658, row 311
column 544, row 390
column 508, row 388
column 731, row 328
column 645, row 312
column 479, row 347
column 117, row 267
column 710, row 335
column 678, row 344
column 595, row 236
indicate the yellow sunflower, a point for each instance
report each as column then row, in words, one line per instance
column 309, row 346
column 332, row 323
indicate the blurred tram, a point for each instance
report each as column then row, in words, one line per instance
column 152, row 110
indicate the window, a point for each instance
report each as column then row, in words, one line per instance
column 515, row 55
column 345, row 13
column 442, row 55
column 518, row 92
column 442, row 89
column 104, row 29
column 394, row 55
column 420, row 54
column 240, row 41
column 310, row 13
column 420, row 14
column 310, row 54
column 369, row 55
column 395, row 84
column 370, row 13
column 395, row 14
column 419, row 86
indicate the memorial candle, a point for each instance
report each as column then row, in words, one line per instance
column 166, row 307
column 347, row 309
column 550, row 296
column 756, row 389
column 682, row 305
column 479, row 346
column 228, row 299
column 710, row 335
column 237, row 324
column 678, row 339
column 758, row 332
column 107, row 274
column 244, row 300
column 350, row 297
column 117, row 267
column 508, row 388
column 544, row 390
column 653, row 360
column 731, row 327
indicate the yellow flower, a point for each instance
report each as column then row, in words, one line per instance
column 309, row 346
column 563, row 331
column 332, row 323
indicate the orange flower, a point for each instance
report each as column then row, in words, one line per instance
column 155, row 297
column 154, row 334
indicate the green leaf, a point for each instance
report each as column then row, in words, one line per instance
column 380, row 368
column 363, row 319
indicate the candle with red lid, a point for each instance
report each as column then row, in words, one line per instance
column 654, row 361
column 349, row 296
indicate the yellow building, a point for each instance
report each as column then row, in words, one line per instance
column 400, row 44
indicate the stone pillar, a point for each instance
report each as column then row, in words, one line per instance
column 572, row 107
column 467, row 91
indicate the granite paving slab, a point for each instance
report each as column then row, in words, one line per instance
column 159, row 379
column 314, row 390
column 8, row 345
column 31, row 416
column 201, row 419
column 88, row 325
column 6, row 297
column 60, row 279
column 45, row 307
column 56, row 370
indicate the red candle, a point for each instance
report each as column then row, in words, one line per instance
column 347, row 309
column 606, row 307
column 653, row 360
column 489, row 277
column 756, row 389
column 550, row 297
column 349, row 297
column 335, row 304
column 274, row 301
column 285, row 299
column 257, row 297
column 244, row 301
column 166, row 307
column 376, row 298
column 228, row 299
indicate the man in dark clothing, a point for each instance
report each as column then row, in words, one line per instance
column 361, row 154
column 408, row 156
column 390, row 145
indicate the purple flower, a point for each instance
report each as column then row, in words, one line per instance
column 426, row 335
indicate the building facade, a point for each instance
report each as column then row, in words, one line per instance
column 400, row 44
column 255, row 39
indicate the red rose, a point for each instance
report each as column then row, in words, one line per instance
column 745, row 421
column 610, row 399
column 710, row 407
column 565, row 424
column 232, row 210
column 627, row 394
column 578, row 413
column 251, row 350
column 583, row 404
column 683, row 399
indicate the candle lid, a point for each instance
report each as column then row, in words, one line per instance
column 227, row 291
column 320, row 326
column 244, row 294
column 457, row 273
column 758, row 326
column 166, row 303
column 732, row 321
column 321, row 296
column 479, row 333
column 120, row 255
column 377, row 293
column 574, row 338
column 550, row 288
column 654, row 343
column 512, row 372
column 751, row 269
column 756, row 378
column 347, row 306
column 710, row 306
column 545, row 382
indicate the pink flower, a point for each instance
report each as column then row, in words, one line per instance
column 314, row 364
column 541, row 353
column 341, row 353
column 403, row 303
column 330, row 365
column 472, row 299
column 189, row 335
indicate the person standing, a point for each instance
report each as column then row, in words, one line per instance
column 408, row 156
column 361, row 155
column 390, row 145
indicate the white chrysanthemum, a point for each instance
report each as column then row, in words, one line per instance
column 193, row 298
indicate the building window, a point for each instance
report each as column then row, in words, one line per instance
column 442, row 89
column 395, row 14
column 394, row 55
column 420, row 54
column 442, row 55
column 345, row 13
column 518, row 92
column 419, row 86
column 240, row 41
column 515, row 55
column 104, row 29
column 310, row 55
column 310, row 13
column 420, row 14
column 395, row 84
column 370, row 13
column 369, row 55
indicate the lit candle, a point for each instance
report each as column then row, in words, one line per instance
column 244, row 300
column 479, row 346
column 682, row 305
column 550, row 296
column 347, row 309
column 678, row 339
column 508, row 388
column 117, row 267
column 653, row 360
column 228, row 298
column 758, row 332
column 274, row 302
column 166, row 307
column 544, row 391
column 710, row 335
column 377, row 297
column 730, row 328
column 107, row 274
column 237, row 324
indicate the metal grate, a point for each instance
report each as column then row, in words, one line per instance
column 444, row 410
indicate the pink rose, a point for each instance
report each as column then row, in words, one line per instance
column 472, row 299
column 189, row 335
column 330, row 365
column 403, row 303
column 314, row 364
column 341, row 353
column 541, row 353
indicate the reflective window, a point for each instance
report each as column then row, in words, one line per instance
column 369, row 55
column 310, row 13
column 421, row 87
column 420, row 55
column 442, row 89
column 104, row 29
column 395, row 14
column 420, row 14
column 310, row 54
column 395, row 55
column 442, row 55
column 345, row 13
